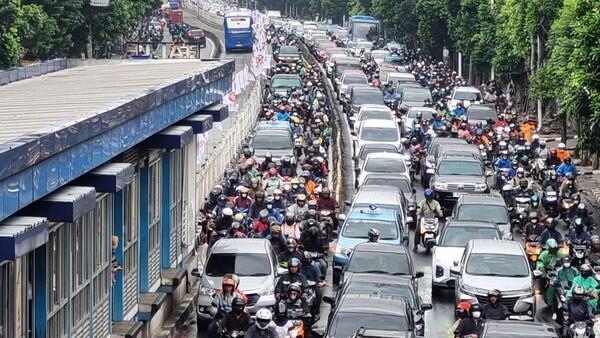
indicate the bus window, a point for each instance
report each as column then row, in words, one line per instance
column 238, row 23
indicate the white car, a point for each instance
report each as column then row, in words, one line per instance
column 399, row 77
column 351, row 76
column 379, row 55
column 378, row 131
column 451, row 245
column 426, row 115
column 371, row 112
column 383, row 163
column 466, row 95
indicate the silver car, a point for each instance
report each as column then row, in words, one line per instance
column 491, row 264
column 253, row 260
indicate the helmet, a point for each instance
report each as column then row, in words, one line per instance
column 494, row 293
column 227, row 212
column 301, row 197
column 275, row 229
column 533, row 217
column 272, row 171
column 578, row 291
column 428, row 193
column 291, row 243
column 475, row 308
column 238, row 303
column 285, row 160
column 561, row 146
column 550, row 222
column 239, row 217
column 260, row 194
column 551, row 244
column 295, row 288
column 523, row 184
column 325, row 191
column 585, row 267
column 534, row 199
column 373, row 234
column 263, row 318
column 228, row 280
column 294, row 262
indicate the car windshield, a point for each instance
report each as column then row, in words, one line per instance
column 247, row 264
column 482, row 114
column 427, row 114
column 341, row 67
column 381, row 288
column 379, row 134
column 375, row 115
column 385, row 165
column 459, row 236
column 275, row 141
column 501, row 265
column 368, row 31
column 482, row 212
column 285, row 82
column 366, row 97
column 401, row 78
column 380, row 262
column 346, row 324
column 376, row 148
column 354, row 79
column 288, row 50
column 400, row 184
column 358, row 228
column 460, row 168
column 416, row 94
column 377, row 54
column 467, row 96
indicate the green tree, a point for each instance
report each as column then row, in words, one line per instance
column 9, row 33
column 398, row 19
column 37, row 31
column 432, row 25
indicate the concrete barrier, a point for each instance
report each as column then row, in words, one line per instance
column 29, row 71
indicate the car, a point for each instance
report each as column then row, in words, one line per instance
column 368, row 311
column 414, row 97
column 480, row 113
column 378, row 131
column 516, row 329
column 282, row 83
column 375, row 333
column 356, row 226
column 407, row 120
column 253, row 260
column 359, row 96
column 342, row 64
column 399, row 182
column 273, row 125
column 456, row 175
column 331, row 63
column 429, row 161
column 400, row 286
column 288, row 54
column 399, row 77
column 484, row 207
column 380, row 258
column 382, row 163
column 276, row 141
column 497, row 264
column 351, row 76
column 370, row 112
column 372, row 148
column 396, row 61
column 466, row 95
column 450, row 246
column 196, row 37
column 379, row 55
column 457, row 149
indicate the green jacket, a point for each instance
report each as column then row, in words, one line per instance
column 566, row 275
column 587, row 284
column 546, row 259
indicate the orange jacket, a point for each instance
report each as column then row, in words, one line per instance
column 562, row 154
column 527, row 129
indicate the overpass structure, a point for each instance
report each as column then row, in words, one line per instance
column 97, row 194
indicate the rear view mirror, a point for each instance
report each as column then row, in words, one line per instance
column 409, row 219
column 537, row 273
column 426, row 307
column 196, row 273
column 419, row 274
column 342, row 217
column 329, row 300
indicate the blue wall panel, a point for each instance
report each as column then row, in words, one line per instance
column 54, row 172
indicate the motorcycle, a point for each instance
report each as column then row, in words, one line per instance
column 578, row 254
column 232, row 334
column 550, row 201
column 428, row 229
column 533, row 249
column 578, row 329
column 521, row 205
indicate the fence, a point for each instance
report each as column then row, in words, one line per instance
column 29, row 71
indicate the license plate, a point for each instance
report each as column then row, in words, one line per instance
column 428, row 236
column 457, row 194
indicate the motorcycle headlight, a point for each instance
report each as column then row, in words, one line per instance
column 407, row 157
column 207, row 291
column 343, row 251
column 440, row 186
column 481, row 187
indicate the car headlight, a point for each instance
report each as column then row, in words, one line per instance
column 481, row 187
column 468, row 289
column 343, row 251
column 266, row 291
column 207, row 291
column 440, row 186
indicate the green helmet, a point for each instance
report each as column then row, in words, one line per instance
column 551, row 244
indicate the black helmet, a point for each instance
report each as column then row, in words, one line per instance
column 475, row 307
column 294, row 262
column 523, row 184
column 237, row 302
column 313, row 230
column 494, row 293
column 373, row 235
column 222, row 198
column 578, row 292
column 285, row 160
column 294, row 287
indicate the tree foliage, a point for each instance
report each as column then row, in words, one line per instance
column 9, row 34
column 37, row 31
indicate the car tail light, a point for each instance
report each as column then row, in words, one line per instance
column 202, row 34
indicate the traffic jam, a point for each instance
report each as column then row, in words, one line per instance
column 455, row 194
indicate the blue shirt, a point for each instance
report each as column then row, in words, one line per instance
column 564, row 168
column 437, row 124
column 459, row 111
column 283, row 116
column 503, row 163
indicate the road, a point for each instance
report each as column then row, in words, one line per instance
column 205, row 53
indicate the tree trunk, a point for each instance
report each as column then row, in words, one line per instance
column 471, row 75
column 540, row 115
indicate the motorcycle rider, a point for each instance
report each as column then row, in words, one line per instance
column 562, row 153
column 494, row 310
column 313, row 274
column 460, row 109
column 278, row 200
column 553, row 160
column 564, row 276
column 549, row 256
column 593, row 254
column 533, row 228
column 550, row 232
column 428, row 205
column 272, row 180
column 294, row 276
column 223, row 221
column 589, row 284
column 271, row 210
column 566, row 167
column 535, row 206
column 243, row 201
column 578, row 234
column 579, row 308
column 287, row 168
column 277, row 239
column 503, row 162
column 291, row 252
column 585, row 216
column 373, row 235
column 471, row 325
column 262, row 327
column 237, row 319
column 222, row 302
column 300, row 207
column 290, row 228
column 293, row 305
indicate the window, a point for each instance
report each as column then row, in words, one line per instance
column 57, row 256
column 102, row 247
column 176, row 185
column 6, row 292
column 131, row 198
column 155, row 181
column 83, row 258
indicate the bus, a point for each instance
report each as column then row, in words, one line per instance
column 364, row 28
column 238, row 31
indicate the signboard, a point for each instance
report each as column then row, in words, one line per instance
column 99, row 3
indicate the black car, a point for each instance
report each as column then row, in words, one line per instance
column 368, row 311
column 362, row 95
column 518, row 329
column 288, row 54
column 480, row 113
column 196, row 37
column 379, row 258
column 375, row 333
column 428, row 162
column 414, row 97
column 363, row 283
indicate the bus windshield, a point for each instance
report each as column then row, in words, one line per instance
column 365, row 31
column 238, row 23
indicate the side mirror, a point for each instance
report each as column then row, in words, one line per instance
column 489, row 173
column 196, row 273
column 352, row 118
column 329, row 300
column 355, row 138
column 448, row 97
column 409, row 219
column 430, row 171
column 281, row 271
column 419, row 274
column 342, row 217
column 317, row 332
column 455, row 270
column 426, row 307
column 343, row 95
column 537, row 273
column 414, row 191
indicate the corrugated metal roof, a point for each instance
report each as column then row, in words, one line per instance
column 47, row 102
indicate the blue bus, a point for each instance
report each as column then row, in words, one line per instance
column 238, row 31
column 364, row 28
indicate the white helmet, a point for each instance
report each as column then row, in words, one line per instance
column 561, row 146
column 263, row 318
column 536, row 136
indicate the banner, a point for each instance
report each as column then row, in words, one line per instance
column 201, row 141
